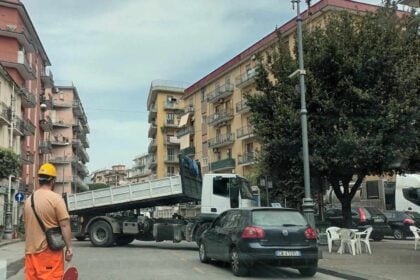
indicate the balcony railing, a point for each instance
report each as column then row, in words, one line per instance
column 47, row 79
column 223, row 164
column 46, row 124
column 152, row 131
column 61, row 123
column 172, row 106
column 5, row 113
column 18, row 32
column 28, row 99
column 171, row 123
column 45, row 147
column 60, row 160
column 246, row 158
column 57, row 103
column 172, row 158
column 86, row 128
column 29, row 128
column 185, row 131
column 152, row 146
column 220, row 117
column 171, row 140
column 18, row 126
column 222, row 140
column 28, row 158
column 245, row 132
column 190, row 151
column 152, row 163
column 241, row 107
column 152, row 114
column 220, row 93
column 246, row 79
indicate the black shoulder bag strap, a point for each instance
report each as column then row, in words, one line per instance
column 36, row 215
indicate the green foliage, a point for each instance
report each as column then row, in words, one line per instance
column 362, row 101
column 9, row 163
column 97, row 186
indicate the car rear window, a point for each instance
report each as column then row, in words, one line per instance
column 277, row 218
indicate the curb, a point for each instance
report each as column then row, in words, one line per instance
column 5, row 243
column 348, row 274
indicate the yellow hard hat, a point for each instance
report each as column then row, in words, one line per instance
column 47, row 169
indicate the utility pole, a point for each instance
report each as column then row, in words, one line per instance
column 8, row 217
column 308, row 204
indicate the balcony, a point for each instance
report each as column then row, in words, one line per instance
column 18, row 61
column 77, row 108
column 29, row 128
column 241, row 107
column 58, row 103
column 220, row 118
column 18, row 32
column 245, row 132
column 246, row 79
column 170, row 123
column 85, row 142
column 45, row 147
column 5, row 114
column 246, row 158
column 28, row 158
column 47, row 79
column 222, row 140
column 59, row 141
column 172, row 158
column 152, row 131
column 223, row 164
column 152, row 146
column 152, row 163
column 171, row 141
column 86, row 128
column 18, row 126
column 76, row 143
column 189, row 109
column 60, row 160
column 28, row 100
column 172, row 106
column 46, row 124
column 220, row 93
column 61, row 124
column 79, row 184
column 184, row 131
column 77, row 127
column 152, row 114
column 84, row 157
column 189, row 152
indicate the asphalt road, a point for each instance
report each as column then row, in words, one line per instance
column 160, row 261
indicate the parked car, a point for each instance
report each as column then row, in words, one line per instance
column 362, row 218
column 274, row 236
column 415, row 216
column 400, row 223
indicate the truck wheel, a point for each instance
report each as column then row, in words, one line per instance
column 239, row 268
column 81, row 237
column 101, row 234
column 124, row 240
column 399, row 234
column 200, row 229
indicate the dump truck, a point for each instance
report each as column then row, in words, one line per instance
column 114, row 215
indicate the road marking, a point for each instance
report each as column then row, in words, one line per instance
column 179, row 256
column 198, row 270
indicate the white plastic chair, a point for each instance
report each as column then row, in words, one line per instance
column 332, row 235
column 415, row 231
column 348, row 239
column 365, row 240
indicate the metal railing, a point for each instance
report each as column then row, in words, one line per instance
column 246, row 78
column 185, row 131
column 220, row 92
column 221, row 140
column 244, row 131
column 246, row 158
column 241, row 107
column 220, row 116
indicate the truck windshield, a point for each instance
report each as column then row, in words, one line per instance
column 245, row 188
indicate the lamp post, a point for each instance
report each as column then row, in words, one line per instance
column 265, row 181
column 308, row 204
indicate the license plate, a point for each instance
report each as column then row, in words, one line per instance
column 379, row 220
column 288, row 253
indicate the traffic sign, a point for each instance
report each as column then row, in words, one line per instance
column 20, row 197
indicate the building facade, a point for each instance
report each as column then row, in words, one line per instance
column 140, row 171
column 114, row 177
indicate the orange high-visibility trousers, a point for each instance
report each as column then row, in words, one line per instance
column 47, row 265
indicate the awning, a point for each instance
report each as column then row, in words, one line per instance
column 184, row 142
column 174, row 140
column 184, row 120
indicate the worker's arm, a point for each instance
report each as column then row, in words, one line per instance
column 67, row 236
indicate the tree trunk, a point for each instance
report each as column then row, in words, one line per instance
column 346, row 211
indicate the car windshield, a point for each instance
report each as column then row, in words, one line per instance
column 415, row 215
column 277, row 218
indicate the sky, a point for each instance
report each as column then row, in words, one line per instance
column 113, row 49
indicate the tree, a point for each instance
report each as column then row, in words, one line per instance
column 362, row 102
column 9, row 163
column 97, row 186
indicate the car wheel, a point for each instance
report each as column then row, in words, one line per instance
column 239, row 268
column 308, row 271
column 101, row 234
column 202, row 252
column 399, row 234
column 377, row 237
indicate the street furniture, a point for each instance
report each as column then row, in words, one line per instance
column 416, row 232
column 332, row 235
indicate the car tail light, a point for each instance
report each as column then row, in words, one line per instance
column 310, row 233
column 408, row 221
column 362, row 215
column 253, row 232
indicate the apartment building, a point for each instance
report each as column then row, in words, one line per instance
column 140, row 171
column 115, row 176
column 216, row 128
column 164, row 106
column 23, row 57
column 66, row 142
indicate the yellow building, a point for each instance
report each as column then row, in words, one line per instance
column 164, row 106
column 216, row 127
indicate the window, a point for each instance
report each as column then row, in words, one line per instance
column 277, row 218
column 233, row 219
column 171, row 154
column 372, row 189
column 170, row 118
column 220, row 186
column 412, row 194
column 170, row 170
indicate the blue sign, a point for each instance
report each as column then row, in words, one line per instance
column 20, row 197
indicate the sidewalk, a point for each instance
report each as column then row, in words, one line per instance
column 12, row 254
column 390, row 259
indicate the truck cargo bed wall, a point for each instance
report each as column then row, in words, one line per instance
column 166, row 191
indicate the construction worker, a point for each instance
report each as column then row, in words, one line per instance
column 40, row 261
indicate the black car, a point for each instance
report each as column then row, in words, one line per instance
column 400, row 224
column 274, row 236
column 362, row 218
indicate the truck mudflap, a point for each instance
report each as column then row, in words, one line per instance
column 164, row 231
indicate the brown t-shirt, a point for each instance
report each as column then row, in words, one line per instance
column 51, row 209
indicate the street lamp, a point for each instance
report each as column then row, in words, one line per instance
column 308, row 204
column 265, row 181
column 7, row 234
